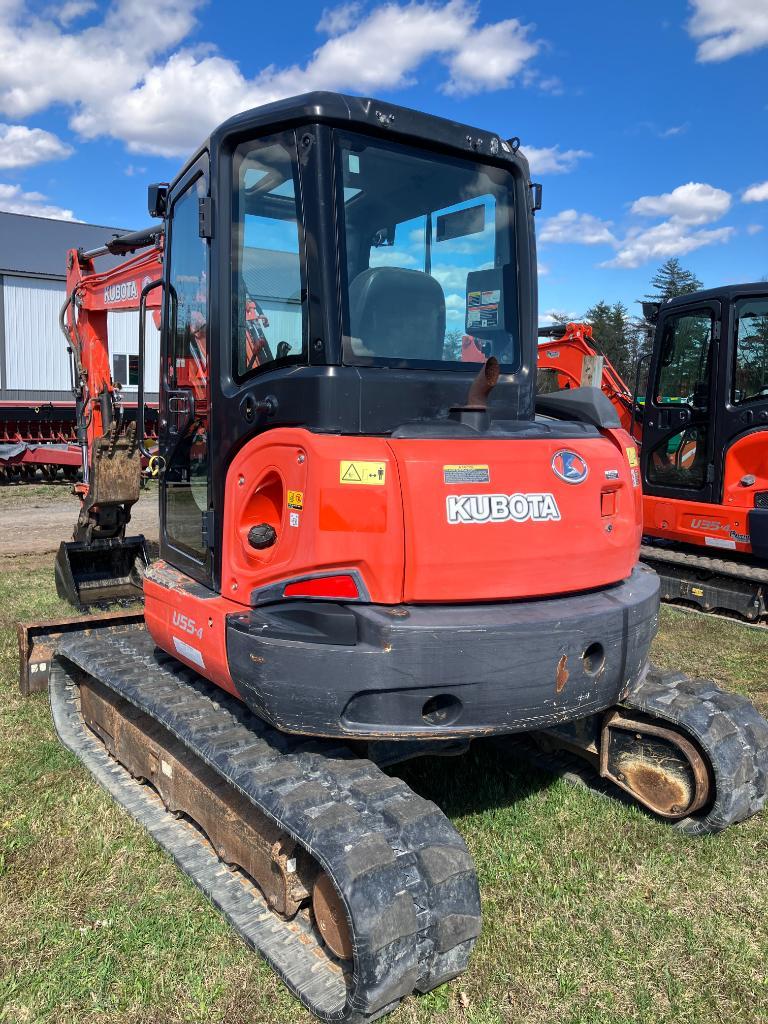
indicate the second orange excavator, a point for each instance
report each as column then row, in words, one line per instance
column 703, row 424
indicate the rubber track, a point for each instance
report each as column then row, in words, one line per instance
column 717, row 566
column 404, row 873
column 727, row 726
column 730, row 731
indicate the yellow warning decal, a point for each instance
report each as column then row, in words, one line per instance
column 697, row 591
column 296, row 500
column 632, row 455
column 362, row 472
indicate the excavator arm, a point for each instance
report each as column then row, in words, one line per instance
column 574, row 359
column 100, row 563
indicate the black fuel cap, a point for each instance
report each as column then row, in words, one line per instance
column 262, row 536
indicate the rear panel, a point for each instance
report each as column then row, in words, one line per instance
column 487, row 520
column 416, row 520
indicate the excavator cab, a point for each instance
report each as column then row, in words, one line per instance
column 332, row 465
column 705, row 433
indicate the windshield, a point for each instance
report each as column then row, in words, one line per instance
column 431, row 277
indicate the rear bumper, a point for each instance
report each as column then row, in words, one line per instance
column 375, row 671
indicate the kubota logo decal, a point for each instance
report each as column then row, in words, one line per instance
column 569, row 466
column 120, row 292
column 500, row 508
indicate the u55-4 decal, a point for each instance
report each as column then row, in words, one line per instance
column 501, row 508
column 187, row 625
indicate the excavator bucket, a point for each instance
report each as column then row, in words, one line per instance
column 101, row 572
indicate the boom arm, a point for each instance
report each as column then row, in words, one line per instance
column 91, row 295
column 100, row 563
column 576, row 362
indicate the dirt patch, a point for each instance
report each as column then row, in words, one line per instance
column 30, row 527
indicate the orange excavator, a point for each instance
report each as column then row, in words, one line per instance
column 704, row 430
column 366, row 547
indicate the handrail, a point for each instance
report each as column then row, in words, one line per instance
column 150, row 286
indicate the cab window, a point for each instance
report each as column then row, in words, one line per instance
column 750, row 376
column 270, row 299
column 430, row 257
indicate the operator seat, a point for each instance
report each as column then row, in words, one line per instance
column 397, row 314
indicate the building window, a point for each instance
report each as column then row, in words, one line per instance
column 120, row 369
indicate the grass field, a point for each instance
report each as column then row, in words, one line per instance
column 592, row 911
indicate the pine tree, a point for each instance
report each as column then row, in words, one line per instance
column 615, row 335
column 673, row 279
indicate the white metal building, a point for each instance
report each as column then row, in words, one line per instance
column 34, row 365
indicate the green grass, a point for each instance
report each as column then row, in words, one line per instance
column 593, row 912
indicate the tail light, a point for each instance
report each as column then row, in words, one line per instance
column 339, row 587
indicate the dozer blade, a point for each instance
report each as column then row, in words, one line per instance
column 101, row 572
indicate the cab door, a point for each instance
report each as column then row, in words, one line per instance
column 185, row 491
column 679, row 420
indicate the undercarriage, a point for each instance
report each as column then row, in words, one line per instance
column 732, row 586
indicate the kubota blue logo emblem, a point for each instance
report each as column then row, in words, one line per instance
column 569, row 467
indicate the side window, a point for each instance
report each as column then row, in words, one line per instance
column 189, row 294
column 187, row 396
column 750, row 377
column 686, row 361
column 270, row 304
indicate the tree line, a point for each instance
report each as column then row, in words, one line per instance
column 624, row 338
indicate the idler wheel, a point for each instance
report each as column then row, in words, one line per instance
column 331, row 917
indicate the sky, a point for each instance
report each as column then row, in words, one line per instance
column 646, row 121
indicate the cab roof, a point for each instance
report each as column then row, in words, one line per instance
column 387, row 120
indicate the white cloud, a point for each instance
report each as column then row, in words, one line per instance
column 489, row 57
column 335, row 20
column 553, row 160
column 754, row 229
column 14, row 200
column 670, row 238
column 543, row 269
column 685, row 209
column 452, row 279
column 580, row 228
column 128, row 77
column 40, row 64
column 74, row 9
column 456, row 306
column 675, row 129
column 386, row 257
column 22, row 147
column 556, row 316
column 756, row 193
column 727, row 28
column 694, row 203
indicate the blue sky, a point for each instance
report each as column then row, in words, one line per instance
column 647, row 122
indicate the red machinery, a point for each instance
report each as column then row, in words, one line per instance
column 574, row 360
column 704, row 427
column 368, row 550
column 101, row 563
